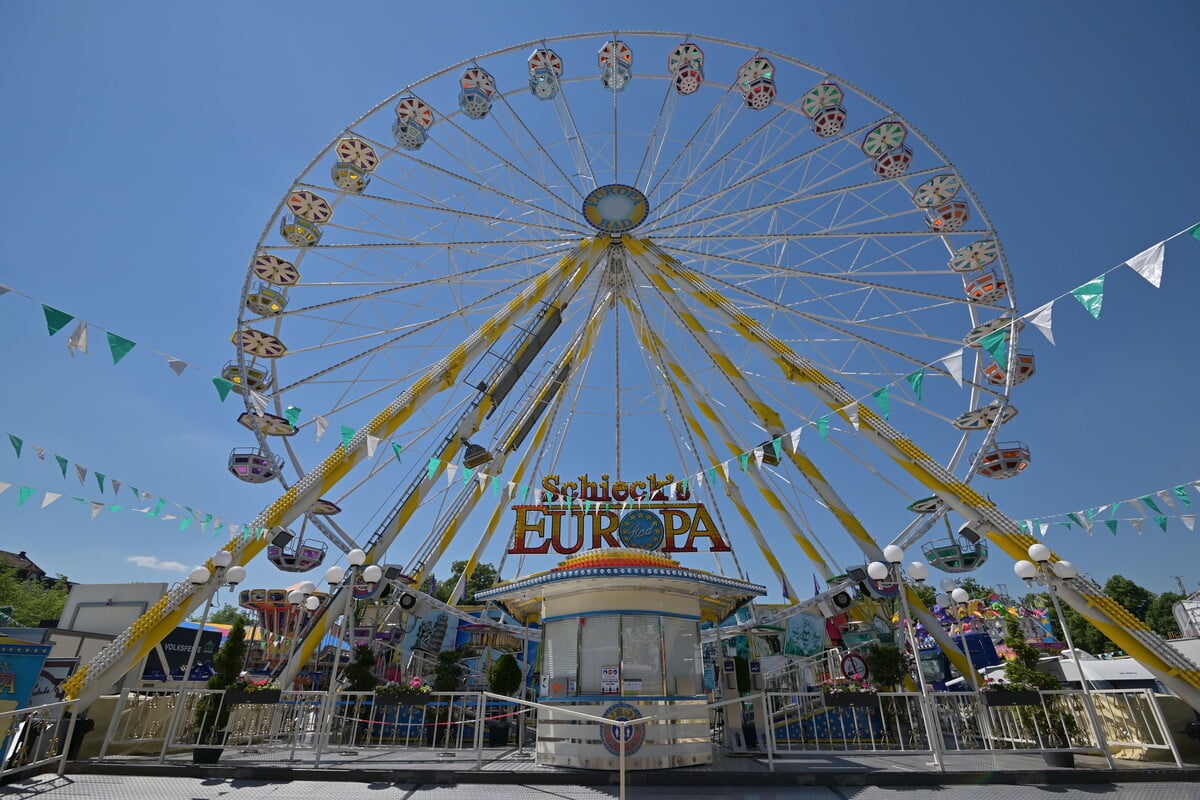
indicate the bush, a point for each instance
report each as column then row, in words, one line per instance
column 504, row 677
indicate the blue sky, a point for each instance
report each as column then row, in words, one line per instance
column 147, row 145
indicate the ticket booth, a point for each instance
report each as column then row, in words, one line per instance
column 621, row 639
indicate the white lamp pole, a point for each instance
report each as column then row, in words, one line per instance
column 1048, row 575
column 198, row 577
column 880, row 571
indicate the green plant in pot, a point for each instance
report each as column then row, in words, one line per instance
column 211, row 712
column 887, row 666
column 504, row 678
column 1052, row 727
column 447, row 677
column 360, row 672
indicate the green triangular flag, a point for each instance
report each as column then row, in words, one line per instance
column 915, row 380
column 776, row 445
column 100, row 476
column 1090, row 514
column 24, row 493
column 1195, row 231
column 62, row 464
column 712, row 476
column 1075, row 518
column 154, row 512
column 524, row 491
column 347, row 436
column 495, row 486
column 823, row 426
column 431, row 468
column 996, row 343
column 115, row 508
column 1179, row 491
column 204, row 523
column 119, row 346
column 1091, row 295
column 1112, row 525
column 467, row 474
column 1162, row 523
column 1024, row 526
column 1152, row 504
column 1066, row 525
column 293, row 415
column 1112, row 511
column 744, row 460
column 223, row 387
column 17, row 441
column 881, row 397
column 396, row 449
column 183, row 523
column 683, row 485
column 56, row 320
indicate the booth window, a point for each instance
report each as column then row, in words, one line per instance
column 641, row 655
column 599, row 647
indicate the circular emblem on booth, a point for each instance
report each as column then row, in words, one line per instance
column 615, row 208
column 611, row 735
column 642, row 530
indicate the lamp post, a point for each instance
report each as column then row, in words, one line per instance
column 1040, row 568
column 919, row 572
column 297, row 598
column 198, row 577
column 334, row 576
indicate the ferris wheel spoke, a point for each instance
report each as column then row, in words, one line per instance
column 657, row 135
column 540, row 147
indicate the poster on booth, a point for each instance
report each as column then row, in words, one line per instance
column 20, row 667
column 610, row 680
column 805, row 635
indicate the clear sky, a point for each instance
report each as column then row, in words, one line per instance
column 146, row 145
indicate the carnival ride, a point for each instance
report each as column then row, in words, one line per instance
column 630, row 255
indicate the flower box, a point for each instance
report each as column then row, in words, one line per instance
column 260, row 697
column 1019, row 697
column 851, row 700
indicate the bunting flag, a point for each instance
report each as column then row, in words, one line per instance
column 1181, row 493
column 431, row 469
column 823, row 426
column 743, row 462
column 55, row 320
column 154, row 512
column 223, row 387
column 50, row 498
column 98, row 507
column 1137, row 525
column 62, row 464
column 347, row 437
column 257, row 401
column 996, row 343
column 882, row 400
column 1043, row 527
column 953, row 364
column 119, row 346
column 496, row 486
column 725, row 469
column 1194, row 231
column 1041, row 319
column 40, row 452
column 4, row 487
column 1149, row 264
column 1112, row 526
column 759, row 455
column 1091, row 295
column 16, row 441
column 396, row 449
column 177, row 366
column 512, row 489
column 321, row 424
column 292, row 414
column 372, row 443
column 1166, row 497
column 795, row 437
column 1189, row 521
column 1150, row 502
column 852, row 413
column 78, row 340
column 451, row 471
column 915, row 380
column 116, row 485
column 99, row 476
column 776, row 446
column 183, row 523
column 467, row 474
column 1162, row 523
column 24, row 493
column 81, row 473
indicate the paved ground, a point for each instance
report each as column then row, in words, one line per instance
column 110, row 787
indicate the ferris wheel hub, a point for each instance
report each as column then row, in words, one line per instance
column 615, row 208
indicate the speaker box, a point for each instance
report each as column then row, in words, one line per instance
column 407, row 601
column 841, row 601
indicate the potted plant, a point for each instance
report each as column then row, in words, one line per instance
column 888, row 666
column 212, row 712
column 504, row 678
column 845, row 693
column 360, row 672
column 405, row 693
column 447, row 676
column 1050, row 726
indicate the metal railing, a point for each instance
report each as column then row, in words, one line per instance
column 32, row 739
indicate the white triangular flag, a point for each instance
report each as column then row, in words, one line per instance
column 953, row 364
column 537, row 497
column 372, row 443
column 795, row 436
column 4, row 486
column 451, row 471
column 176, row 366
column 168, row 517
column 481, row 480
column 1189, row 520
column 1148, row 264
column 1137, row 506
column 698, row 479
column 78, row 340
column 1086, row 523
column 1137, row 525
column 321, row 424
column 81, row 472
column 116, row 484
column 1041, row 319
column 512, row 490
column 1167, row 498
column 49, row 498
column 1044, row 526
column 97, row 507
column 758, row 456
column 258, row 401
column 146, row 495
column 725, row 469
column 852, row 413
column 41, row 452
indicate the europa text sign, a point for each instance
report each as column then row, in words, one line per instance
column 589, row 515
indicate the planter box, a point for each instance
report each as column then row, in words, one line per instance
column 852, row 700
column 261, row 697
column 1020, row 698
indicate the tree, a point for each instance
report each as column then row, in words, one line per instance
column 1134, row 598
column 31, row 599
column 226, row 615
column 1161, row 614
column 886, row 666
column 360, row 672
column 484, row 577
column 448, row 672
column 504, row 677
column 212, row 715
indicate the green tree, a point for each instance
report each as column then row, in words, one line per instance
column 360, row 672
column 484, row 577
column 504, row 677
column 32, row 600
column 448, row 671
column 226, row 615
column 885, row 666
column 212, row 715
column 1134, row 598
column 1161, row 614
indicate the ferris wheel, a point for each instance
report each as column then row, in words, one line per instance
column 702, row 166
column 600, row 257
